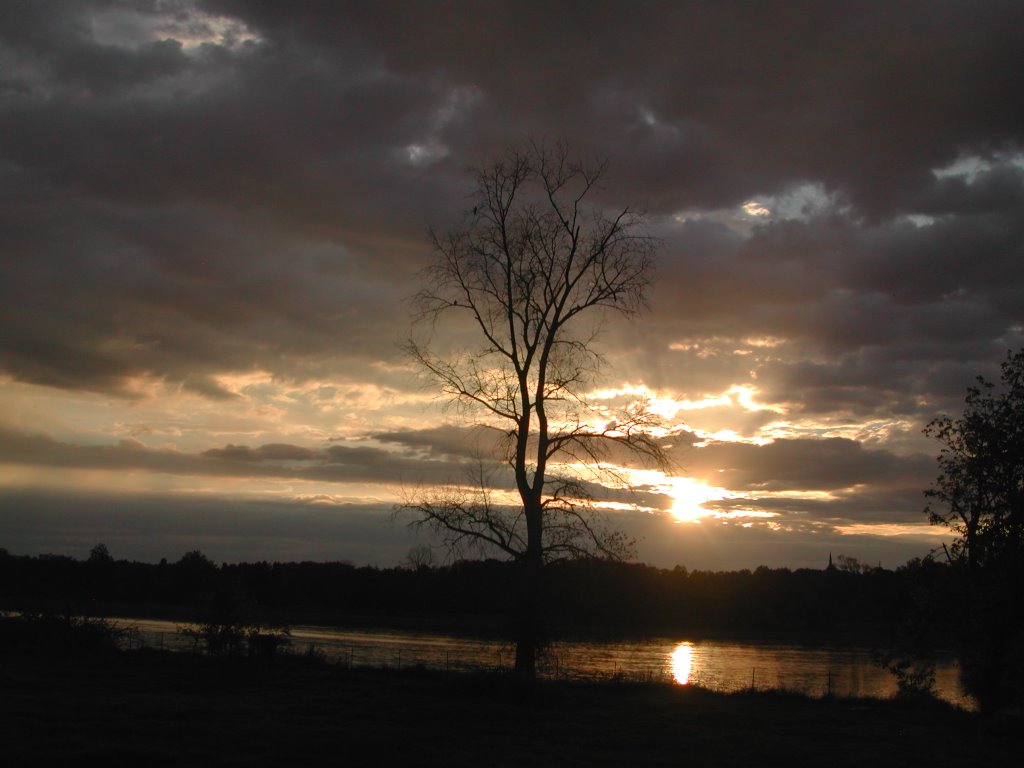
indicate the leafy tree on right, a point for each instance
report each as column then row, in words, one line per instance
column 979, row 496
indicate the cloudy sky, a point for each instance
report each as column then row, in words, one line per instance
column 214, row 213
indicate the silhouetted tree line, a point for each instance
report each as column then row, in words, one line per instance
column 588, row 596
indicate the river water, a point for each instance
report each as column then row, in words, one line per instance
column 713, row 664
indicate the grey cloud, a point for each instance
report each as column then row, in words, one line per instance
column 196, row 228
column 333, row 464
column 884, row 319
column 310, row 138
column 447, row 440
column 336, row 463
column 270, row 452
column 864, row 507
column 835, row 281
column 834, row 90
column 489, row 445
column 178, row 294
column 185, row 213
column 804, row 464
column 696, row 91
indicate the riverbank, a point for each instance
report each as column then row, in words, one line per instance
column 174, row 709
column 720, row 665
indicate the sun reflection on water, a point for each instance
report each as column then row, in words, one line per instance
column 682, row 661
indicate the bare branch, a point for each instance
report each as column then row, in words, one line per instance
column 532, row 270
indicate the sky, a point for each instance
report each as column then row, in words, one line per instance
column 213, row 215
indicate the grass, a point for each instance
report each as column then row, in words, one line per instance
column 187, row 709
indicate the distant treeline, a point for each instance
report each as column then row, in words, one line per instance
column 835, row 603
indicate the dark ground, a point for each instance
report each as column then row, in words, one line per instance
column 156, row 708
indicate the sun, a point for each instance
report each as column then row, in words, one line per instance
column 689, row 496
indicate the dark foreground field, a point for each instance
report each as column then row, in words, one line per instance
column 155, row 708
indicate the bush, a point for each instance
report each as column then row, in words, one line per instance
column 915, row 676
column 66, row 634
column 218, row 638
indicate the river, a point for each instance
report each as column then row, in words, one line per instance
column 714, row 664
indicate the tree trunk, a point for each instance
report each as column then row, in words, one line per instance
column 529, row 632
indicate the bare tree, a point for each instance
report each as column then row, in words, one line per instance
column 419, row 556
column 530, row 273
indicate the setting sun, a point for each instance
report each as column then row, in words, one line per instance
column 690, row 495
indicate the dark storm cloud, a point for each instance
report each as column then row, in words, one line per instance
column 230, row 209
column 704, row 101
column 259, row 202
column 99, row 293
column 254, row 124
column 875, row 320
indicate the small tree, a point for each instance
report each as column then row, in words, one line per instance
column 530, row 272
column 419, row 557
column 979, row 496
column 99, row 554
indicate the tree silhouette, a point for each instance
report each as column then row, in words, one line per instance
column 100, row 554
column 979, row 496
column 530, row 273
